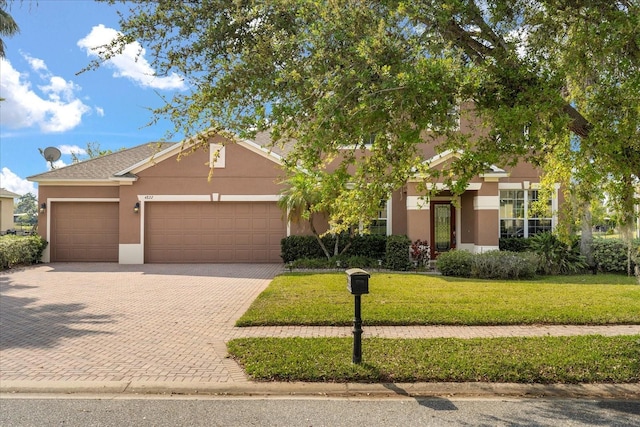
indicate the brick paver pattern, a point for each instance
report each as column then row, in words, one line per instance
column 165, row 323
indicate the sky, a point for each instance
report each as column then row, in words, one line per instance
column 48, row 104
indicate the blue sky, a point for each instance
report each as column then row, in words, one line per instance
column 47, row 104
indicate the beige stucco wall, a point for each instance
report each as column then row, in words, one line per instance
column 6, row 214
column 245, row 173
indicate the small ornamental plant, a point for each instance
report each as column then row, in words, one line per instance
column 419, row 252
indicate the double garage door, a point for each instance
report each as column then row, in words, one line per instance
column 204, row 232
column 174, row 232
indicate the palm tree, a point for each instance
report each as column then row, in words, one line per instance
column 300, row 199
column 8, row 26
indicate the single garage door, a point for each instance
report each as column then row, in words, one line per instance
column 84, row 232
column 201, row 232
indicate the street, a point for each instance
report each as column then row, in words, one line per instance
column 122, row 410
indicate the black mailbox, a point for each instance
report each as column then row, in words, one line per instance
column 357, row 281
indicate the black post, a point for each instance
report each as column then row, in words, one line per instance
column 357, row 332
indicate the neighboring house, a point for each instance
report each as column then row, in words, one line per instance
column 6, row 210
column 141, row 205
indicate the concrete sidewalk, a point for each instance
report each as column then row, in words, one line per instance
column 109, row 328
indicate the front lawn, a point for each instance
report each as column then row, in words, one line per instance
column 415, row 299
column 545, row 360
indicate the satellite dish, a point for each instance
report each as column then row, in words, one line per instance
column 51, row 154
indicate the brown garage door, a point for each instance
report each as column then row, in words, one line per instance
column 85, row 232
column 213, row 232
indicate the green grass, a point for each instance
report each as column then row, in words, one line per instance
column 545, row 360
column 414, row 299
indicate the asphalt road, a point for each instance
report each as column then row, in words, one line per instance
column 172, row 411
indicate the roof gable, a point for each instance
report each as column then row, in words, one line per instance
column 102, row 168
column 6, row 194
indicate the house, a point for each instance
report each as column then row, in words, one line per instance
column 6, row 210
column 148, row 204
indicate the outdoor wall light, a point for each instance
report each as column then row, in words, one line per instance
column 136, row 207
column 43, row 208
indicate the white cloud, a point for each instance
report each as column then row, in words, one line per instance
column 12, row 182
column 35, row 63
column 131, row 63
column 69, row 149
column 55, row 109
column 100, row 111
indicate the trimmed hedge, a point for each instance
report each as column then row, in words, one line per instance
column 307, row 247
column 610, row 255
column 455, row 263
column 488, row 265
column 397, row 256
column 513, row 244
column 20, row 250
column 504, row 265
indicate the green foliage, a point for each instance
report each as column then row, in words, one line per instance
column 504, row 265
column 8, row 26
column 455, row 263
column 611, row 255
column 299, row 247
column 28, row 204
column 513, row 244
column 341, row 262
column 555, row 256
column 18, row 250
column 542, row 360
column 397, row 253
column 323, row 76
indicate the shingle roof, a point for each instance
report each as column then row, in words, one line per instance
column 8, row 194
column 263, row 139
column 104, row 167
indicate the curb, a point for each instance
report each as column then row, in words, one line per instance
column 271, row 389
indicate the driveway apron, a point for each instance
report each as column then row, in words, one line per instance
column 110, row 322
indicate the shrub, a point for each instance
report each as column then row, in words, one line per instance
column 311, row 263
column 299, row 247
column 514, row 244
column 610, row 255
column 455, row 263
column 397, row 254
column 555, row 256
column 19, row 250
column 504, row 265
column 368, row 245
column 420, row 252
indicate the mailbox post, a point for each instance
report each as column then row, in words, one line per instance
column 357, row 284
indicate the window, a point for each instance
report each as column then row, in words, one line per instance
column 516, row 220
column 379, row 225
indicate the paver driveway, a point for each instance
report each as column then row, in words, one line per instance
column 110, row 322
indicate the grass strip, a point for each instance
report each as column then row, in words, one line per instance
column 417, row 299
column 543, row 360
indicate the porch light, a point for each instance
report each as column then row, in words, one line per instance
column 43, row 208
column 136, row 207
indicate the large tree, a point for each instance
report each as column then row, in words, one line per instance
column 556, row 82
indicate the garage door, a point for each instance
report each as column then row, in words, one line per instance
column 213, row 232
column 84, row 232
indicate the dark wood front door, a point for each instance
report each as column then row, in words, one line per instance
column 443, row 227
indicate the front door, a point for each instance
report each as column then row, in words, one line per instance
column 443, row 227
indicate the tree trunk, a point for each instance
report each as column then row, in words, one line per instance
column 586, row 239
column 320, row 242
